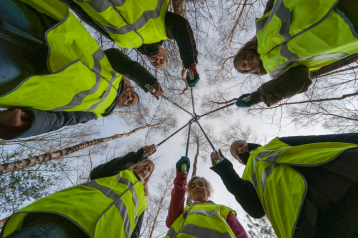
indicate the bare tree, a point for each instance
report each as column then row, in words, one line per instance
column 154, row 220
column 21, row 164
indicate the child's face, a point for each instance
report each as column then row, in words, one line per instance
column 199, row 191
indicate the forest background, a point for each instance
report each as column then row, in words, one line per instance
column 220, row 27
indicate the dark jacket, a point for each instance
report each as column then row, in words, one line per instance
column 326, row 183
column 176, row 26
column 296, row 80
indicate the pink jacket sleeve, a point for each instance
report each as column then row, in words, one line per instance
column 235, row 226
column 177, row 202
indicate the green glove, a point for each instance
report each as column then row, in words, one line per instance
column 183, row 165
column 244, row 100
column 192, row 76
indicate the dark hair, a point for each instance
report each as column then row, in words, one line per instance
column 249, row 47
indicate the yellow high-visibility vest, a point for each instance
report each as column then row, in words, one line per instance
column 130, row 23
column 106, row 207
column 280, row 188
column 203, row 219
column 313, row 33
column 81, row 78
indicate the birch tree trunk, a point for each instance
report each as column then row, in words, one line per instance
column 2, row 222
column 188, row 201
column 21, row 164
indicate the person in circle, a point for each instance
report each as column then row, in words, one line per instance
column 112, row 204
column 143, row 25
column 292, row 39
column 203, row 218
column 54, row 75
column 306, row 185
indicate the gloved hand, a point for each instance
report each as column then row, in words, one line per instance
column 244, row 100
column 181, row 164
column 192, row 76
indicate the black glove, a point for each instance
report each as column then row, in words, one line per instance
column 244, row 100
column 181, row 164
column 192, row 76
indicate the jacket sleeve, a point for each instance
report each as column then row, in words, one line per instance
column 269, row 6
column 244, row 192
column 177, row 202
column 44, row 121
column 138, row 226
column 296, row 80
column 301, row 140
column 178, row 28
column 235, row 226
column 116, row 165
column 131, row 69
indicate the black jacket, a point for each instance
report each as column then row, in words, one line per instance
column 176, row 26
column 244, row 191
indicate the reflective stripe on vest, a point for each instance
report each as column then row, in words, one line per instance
column 118, row 200
column 121, row 20
column 197, row 231
column 78, row 98
column 202, row 220
column 275, row 181
column 81, row 78
column 275, row 65
column 122, row 209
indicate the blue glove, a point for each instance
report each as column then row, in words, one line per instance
column 244, row 101
column 192, row 76
column 183, row 165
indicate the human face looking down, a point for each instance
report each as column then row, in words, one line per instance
column 238, row 147
column 145, row 171
column 199, row 190
column 129, row 98
column 248, row 62
column 160, row 60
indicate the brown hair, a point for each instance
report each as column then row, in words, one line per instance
column 208, row 185
column 249, row 47
column 140, row 166
column 243, row 143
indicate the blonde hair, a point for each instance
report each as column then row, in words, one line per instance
column 208, row 186
column 243, row 142
column 140, row 166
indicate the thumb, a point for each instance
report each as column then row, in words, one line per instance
column 221, row 154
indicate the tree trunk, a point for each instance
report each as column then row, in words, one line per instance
column 21, row 164
column 178, row 7
column 156, row 217
column 2, row 222
column 193, row 174
column 336, row 65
